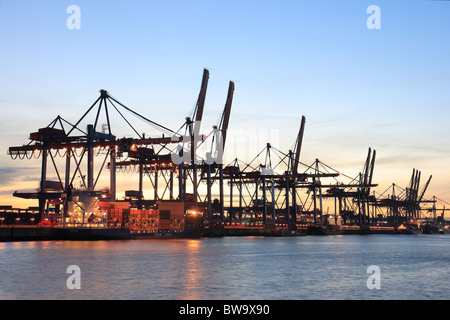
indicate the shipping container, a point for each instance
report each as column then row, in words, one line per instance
column 120, row 204
column 175, row 208
column 164, row 214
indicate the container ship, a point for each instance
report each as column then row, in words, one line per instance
column 117, row 220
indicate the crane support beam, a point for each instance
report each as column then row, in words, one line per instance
column 96, row 144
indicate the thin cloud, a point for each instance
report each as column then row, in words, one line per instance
column 10, row 175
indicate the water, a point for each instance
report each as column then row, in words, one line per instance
column 312, row 267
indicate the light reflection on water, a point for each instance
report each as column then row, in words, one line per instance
column 328, row 267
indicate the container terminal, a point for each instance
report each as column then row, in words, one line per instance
column 193, row 195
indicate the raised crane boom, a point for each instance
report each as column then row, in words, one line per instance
column 372, row 166
column 201, row 100
column 194, row 128
column 226, row 113
column 298, row 147
column 424, row 189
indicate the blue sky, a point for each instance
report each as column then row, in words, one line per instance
column 358, row 88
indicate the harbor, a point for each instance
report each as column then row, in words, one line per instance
column 191, row 193
column 213, row 159
column 238, row 269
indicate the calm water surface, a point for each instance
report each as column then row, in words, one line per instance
column 313, row 267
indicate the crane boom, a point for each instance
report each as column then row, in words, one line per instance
column 201, row 98
column 226, row 113
column 366, row 169
column 372, row 165
column 424, row 189
column 299, row 145
column 194, row 128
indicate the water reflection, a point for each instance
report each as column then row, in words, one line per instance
column 193, row 271
column 17, row 244
column 228, row 268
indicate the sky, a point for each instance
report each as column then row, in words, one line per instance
column 386, row 88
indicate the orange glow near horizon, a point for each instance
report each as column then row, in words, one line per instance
column 383, row 176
